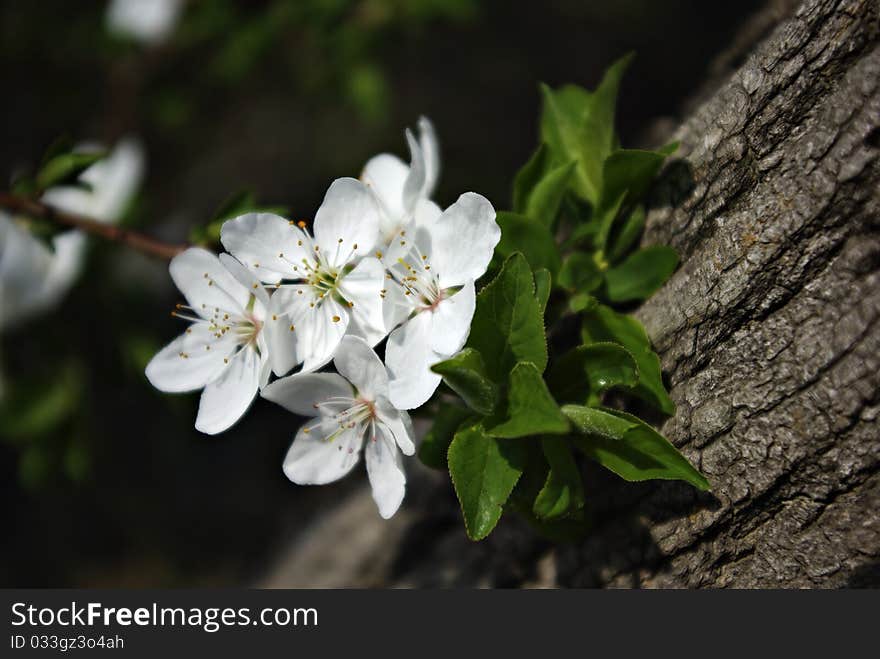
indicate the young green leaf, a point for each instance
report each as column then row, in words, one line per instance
column 604, row 324
column 640, row 274
column 546, row 197
column 563, row 491
column 508, row 325
column 65, row 168
column 627, row 235
column 465, row 374
column 580, row 273
column 588, row 371
column 630, row 448
column 448, row 419
column 484, row 471
column 599, row 138
column 543, row 285
column 529, row 237
column 531, row 409
column 528, row 176
column 582, row 302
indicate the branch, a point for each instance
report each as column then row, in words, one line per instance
column 134, row 239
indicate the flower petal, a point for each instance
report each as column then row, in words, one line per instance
column 267, row 244
column 301, row 392
column 348, row 213
column 399, row 423
column 206, row 284
column 356, row 361
column 190, row 361
column 362, row 288
column 463, row 240
column 281, row 340
column 319, row 330
column 415, row 181
column 452, row 321
column 249, row 280
column 227, row 398
column 314, row 460
column 385, row 470
column 396, row 306
column 431, row 155
column 408, row 357
column 385, row 175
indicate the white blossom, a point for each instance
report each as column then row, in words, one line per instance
column 329, row 283
column 404, row 191
column 434, row 267
column 147, row 21
column 349, row 412
column 225, row 350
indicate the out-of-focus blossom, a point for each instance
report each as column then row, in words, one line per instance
column 147, row 21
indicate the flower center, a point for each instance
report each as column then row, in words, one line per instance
column 413, row 273
column 243, row 327
column 347, row 414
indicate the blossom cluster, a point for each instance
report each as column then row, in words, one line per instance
column 380, row 260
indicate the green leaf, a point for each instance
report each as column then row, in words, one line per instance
column 627, row 235
column 65, row 168
column 508, row 326
column 484, row 471
column 604, row 324
column 563, row 116
column 582, row 302
column 39, row 407
column 641, row 274
column 588, row 371
column 599, row 136
column 627, row 175
column 580, row 273
column 531, row 409
column 546, row 197
column 543, row 285
column 563, row 491
column 629, row 447
column 529, row 237
column 465, row 374
column 528, row 177
column 448, row 419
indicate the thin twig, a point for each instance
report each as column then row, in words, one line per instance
column 134, row 239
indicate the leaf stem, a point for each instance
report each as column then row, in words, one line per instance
column 134, row 239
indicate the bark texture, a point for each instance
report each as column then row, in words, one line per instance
column 769, row 334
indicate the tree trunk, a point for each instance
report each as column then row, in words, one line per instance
column 769, row 336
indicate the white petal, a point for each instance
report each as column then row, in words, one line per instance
column 267, row 244
column 415, row 181
column 427, row 212
column 396, row 306
column 206, row 284
column 431, row 155
column 301, row 392
column 385, row 175
column 362, row 288
column 408, row 357
column 356, row 361
column 385, row 470
column 281, row 341
column 250, row 282
column 314, row 460
column 399, row 423
column 348, row 212
column 463, row 240
column 452, row 321
column 319, row 330
column 190, row 361
column 227, row 398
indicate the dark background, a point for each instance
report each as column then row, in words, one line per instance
column 113, row 486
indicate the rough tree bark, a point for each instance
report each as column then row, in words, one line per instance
column 770, row 337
